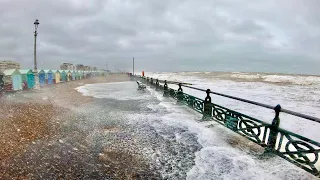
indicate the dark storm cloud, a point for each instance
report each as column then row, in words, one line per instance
column 163, row 35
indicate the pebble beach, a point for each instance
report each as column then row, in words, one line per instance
column 40, row 139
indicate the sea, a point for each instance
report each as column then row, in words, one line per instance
column 299, row 93
column 174, row 139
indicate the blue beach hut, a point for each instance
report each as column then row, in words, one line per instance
column 42, row 77
column 49, row 76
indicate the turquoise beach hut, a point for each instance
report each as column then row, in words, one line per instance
column 42, row 77
column 12, row 80
column 63, row 75
column 27, row 77
column 78, row 76
column 49, row 76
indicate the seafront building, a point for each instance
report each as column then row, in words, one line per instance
column 9, row 65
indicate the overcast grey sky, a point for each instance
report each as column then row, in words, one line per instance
column 164, row 35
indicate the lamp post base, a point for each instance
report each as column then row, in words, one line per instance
column 36, row 81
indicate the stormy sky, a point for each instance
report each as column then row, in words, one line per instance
column 167, row 35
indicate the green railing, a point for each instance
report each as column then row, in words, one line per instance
column 295, row 148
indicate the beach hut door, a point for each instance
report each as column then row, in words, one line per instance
column 17, row 82
column 30, row 81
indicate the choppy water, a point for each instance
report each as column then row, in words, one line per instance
column 300, row 93
column 173, row 141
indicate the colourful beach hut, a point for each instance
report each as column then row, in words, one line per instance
column 73, row 75
column 12, row 80
column 27, row 77
column 49, row 76
column 69, row 76
column 78, row 76
column 42, row 77
column 55, row 76
column 63, row 75
column 1, row 81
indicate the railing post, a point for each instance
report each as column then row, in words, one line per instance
column 180, row 94
column 157, row 84
column 147, row 83
column 151, row 81
column 165, row 89
column 207, row 107
column 272, row 140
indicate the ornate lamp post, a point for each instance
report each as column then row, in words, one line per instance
column 35, row 72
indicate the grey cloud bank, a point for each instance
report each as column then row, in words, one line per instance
column 191, row 35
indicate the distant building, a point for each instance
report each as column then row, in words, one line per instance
column 87, row 68
column 95, row 68
column 9, row 65
column 80, row 67
column 68, row 66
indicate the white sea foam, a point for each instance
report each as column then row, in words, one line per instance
column 218, row 159
column 115, row 90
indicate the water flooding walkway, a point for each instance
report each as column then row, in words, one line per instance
column 126, row 134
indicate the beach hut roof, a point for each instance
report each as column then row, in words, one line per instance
column 41, row 71
column 9, row 72
column 55, row 71
column 25, row 71
column 62, row 71
column 47, row 71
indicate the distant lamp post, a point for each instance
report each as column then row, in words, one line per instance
column 36, row 77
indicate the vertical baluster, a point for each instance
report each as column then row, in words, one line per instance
column 165, row 89
column 272, row 140
column 180, row 94
column 207, row 107
column 157, row 84
column 151, row 82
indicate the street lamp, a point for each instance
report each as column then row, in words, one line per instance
column 36, row 78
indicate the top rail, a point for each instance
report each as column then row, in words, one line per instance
column 311, row 118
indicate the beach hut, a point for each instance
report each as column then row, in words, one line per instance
column 56, row 76
column 12, row 80
column 81, row 74
column 73, row 75
column 63, row 75
column 78, row 76
column 27, row 77
column 49, row 76
column 69, row 76
column 1, row 81
column 42, row 77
